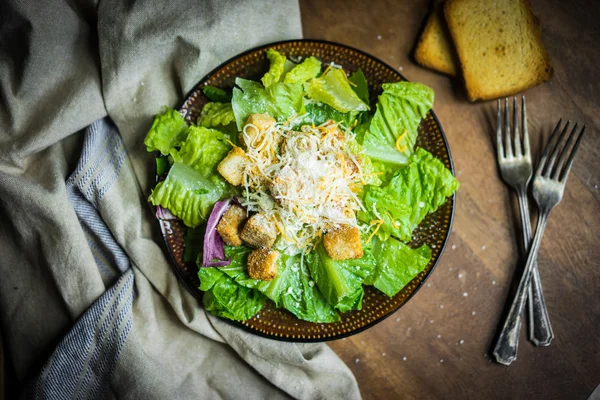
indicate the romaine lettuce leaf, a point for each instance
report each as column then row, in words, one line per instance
column 203, row 151
column 169, row 129
column 187, row 194
column 275, row 71
column 292, row 288
column 361, row 87
column 308, row 69
column 281, row 100
column 400, row 109
column 216, row 114
column 193, row 243
column 332, row 88
column 318, row 113
column 413, row 192
column 224, row 297
column 397, row 265
column 215, row 94
column 340, row 281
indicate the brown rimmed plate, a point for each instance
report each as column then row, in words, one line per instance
column 434, row 230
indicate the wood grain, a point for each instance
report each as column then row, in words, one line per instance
column 437, row 345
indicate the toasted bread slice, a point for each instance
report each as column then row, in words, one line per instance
column 435, row 49
column 499, row 46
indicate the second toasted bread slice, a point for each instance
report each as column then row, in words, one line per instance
column 499, row 46
column 434, row 49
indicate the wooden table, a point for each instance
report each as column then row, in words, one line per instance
column 438, row 345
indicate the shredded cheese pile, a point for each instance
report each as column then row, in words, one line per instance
column 304, row 182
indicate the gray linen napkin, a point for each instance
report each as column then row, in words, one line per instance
column 89, row 306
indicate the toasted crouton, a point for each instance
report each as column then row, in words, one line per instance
column 259, row 232
column 334, row 130
column 230, row 226
column 262, row 264
column 343, row 243
column 351, row 166
column 259, row 124
column 232, row 166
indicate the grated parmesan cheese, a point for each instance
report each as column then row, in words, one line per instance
column 304, row 181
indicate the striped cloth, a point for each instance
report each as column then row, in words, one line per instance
column 82, row 364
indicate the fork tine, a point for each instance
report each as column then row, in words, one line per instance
column 517, row 145
column 526, row 149
column 564, row 152
column 499, row 145
column 542, row 164
column 567, row 167
column 507, row 144
column 558, row 148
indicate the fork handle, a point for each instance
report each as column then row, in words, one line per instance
column 506, row 347
column 540, row 330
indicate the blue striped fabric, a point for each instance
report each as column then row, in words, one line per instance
column 82, row 363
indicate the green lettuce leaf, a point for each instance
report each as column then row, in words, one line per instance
column 275, row 72
column 187, row 194
column 216, row 114
column 400, row 109
column 193, row 243
column 203, row 151
column 361, row 87
column 318, row 113
column 215, row 94
column 224, row 297
column 291, row 289
column 169, row 129
column 397, row 265
column 340, row 281
column 308, row 69
column 413, row 192
column 332, row 88
column 281, row 100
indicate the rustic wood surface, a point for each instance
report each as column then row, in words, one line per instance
column 438, row 345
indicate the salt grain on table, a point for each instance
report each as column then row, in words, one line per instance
column 356, row 361
column 493, row 282
column 483, row 247
column 460, row 276
column 403, row 358
column 461, row 341
column 453, row 247
column 473, row 313
column 465, row 294
column 441, row 306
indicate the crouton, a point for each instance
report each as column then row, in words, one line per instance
column 259, row 232
column 343, row 243
column 262, row 122
column 232, row 166
column 334, row 131
column 230, row 226
column 262, row 264
column 351, row 166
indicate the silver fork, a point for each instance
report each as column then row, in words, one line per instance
column 548, row 188
column 515, row 167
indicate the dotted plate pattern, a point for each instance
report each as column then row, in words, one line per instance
column 433, row 231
